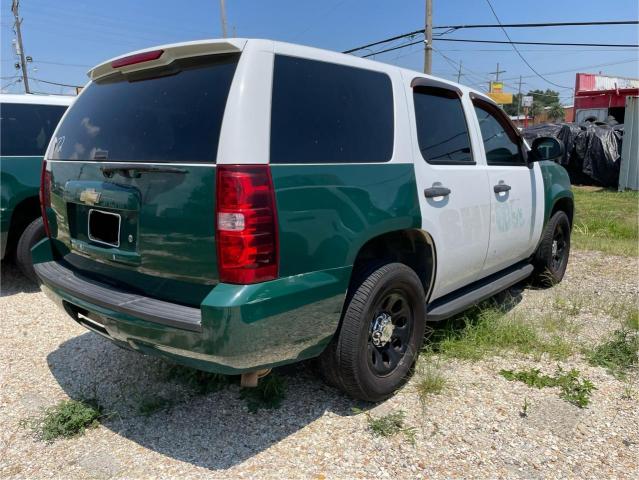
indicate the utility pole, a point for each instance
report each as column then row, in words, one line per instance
column 496, row 73
column 223, row 17
column 23, row 62
column 428, row 50
column 459, row 74
column 519, row 97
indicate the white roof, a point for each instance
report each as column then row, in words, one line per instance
column 33, row 99
column 227, row 45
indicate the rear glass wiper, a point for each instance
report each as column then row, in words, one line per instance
column 134, row 171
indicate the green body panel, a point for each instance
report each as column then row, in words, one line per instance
column 327, row 212
column 556, row 186
column 244, row 327
column 167, row 239
column 19, row 181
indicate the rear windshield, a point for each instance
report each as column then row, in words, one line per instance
column 26, row 129
column 172, row 114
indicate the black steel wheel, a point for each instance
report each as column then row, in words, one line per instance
column 551, row 258
column 382, row 329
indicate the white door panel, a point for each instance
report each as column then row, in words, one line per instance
column 445, row 155
column 458, row 224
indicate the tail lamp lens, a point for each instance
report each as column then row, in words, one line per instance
column 246, row 224
column 45, row 195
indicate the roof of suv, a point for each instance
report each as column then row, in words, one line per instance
column 229, row 45
column 32, row 99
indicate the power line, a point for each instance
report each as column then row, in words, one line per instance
column 562, row 44
column 490, row 5
column 537, row 25
column 58, row 83
column 509, row 25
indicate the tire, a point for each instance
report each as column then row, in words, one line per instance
column 551, row 258
column 31, row 235
column 381, row 334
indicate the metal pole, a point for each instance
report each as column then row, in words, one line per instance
column 223, row 17
column 428, row 50
column 459, row 74
column 519, row 98
column 23, row 62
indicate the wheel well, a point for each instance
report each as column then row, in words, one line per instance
column 23, row 214
column 566, row 205
column 410, row 247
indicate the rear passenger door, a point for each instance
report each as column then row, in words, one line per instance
column 513, row 189
column 452, row 183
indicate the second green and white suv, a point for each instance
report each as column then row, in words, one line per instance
column 234, row 205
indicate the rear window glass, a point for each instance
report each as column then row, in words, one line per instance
column 442, row 132
column 26, row 129
column 171, row 114
column 328, row 113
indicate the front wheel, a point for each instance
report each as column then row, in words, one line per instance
column 551, row 258
column 380, row 336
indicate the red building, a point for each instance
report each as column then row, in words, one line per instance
column 598, row 96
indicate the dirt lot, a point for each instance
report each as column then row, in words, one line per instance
column 480, row 425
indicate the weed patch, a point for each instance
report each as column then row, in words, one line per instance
column 616, row 355
column 269, row 393
column 390, row 425
column 199, row 381
column 487, row 330
column 573, row 389
column 151, row 405
column 430, row 382
column 68, row 418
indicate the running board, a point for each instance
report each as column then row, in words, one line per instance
column 457, row 302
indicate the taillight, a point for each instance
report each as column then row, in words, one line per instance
column 137, row 58
column 45, row 195
column 246, row 224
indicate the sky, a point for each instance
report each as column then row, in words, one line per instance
column 67, row 37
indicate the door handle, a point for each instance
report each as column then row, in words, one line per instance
column 501, row 188
column 436, row 192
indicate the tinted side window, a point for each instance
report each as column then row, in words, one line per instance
column 442, row 132
column 328, row 113
column 500, row 146
column 26, row 129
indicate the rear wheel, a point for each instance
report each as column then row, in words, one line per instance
column 551, row 258
column 380, row 335
column 31, row 235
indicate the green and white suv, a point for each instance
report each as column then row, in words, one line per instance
column 234, row 205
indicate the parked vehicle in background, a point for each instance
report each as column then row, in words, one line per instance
column 26, row 125
column 235, row 205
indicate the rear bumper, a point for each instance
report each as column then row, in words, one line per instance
column 237, row 328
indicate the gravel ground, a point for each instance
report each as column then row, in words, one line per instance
column 473, row 429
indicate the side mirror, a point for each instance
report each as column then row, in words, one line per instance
column 546, row 148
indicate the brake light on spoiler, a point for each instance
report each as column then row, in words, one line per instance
column 246, row 224
column 137, row 58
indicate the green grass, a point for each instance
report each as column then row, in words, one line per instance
column 573, row 389
column 618, row 354
column 390, row 425
column 69, row 418
column 430, row 381
column 269, row 393
column 606, row 220
column 199, row 381
column 149, row 406
column 486, row 330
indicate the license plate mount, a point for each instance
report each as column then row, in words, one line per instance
column 104, row 227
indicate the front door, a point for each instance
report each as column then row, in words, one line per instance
column 452, row 185
column 514, row 188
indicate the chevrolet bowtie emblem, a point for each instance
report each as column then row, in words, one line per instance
column 90, row 196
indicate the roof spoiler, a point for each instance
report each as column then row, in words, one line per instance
column 164, row 55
